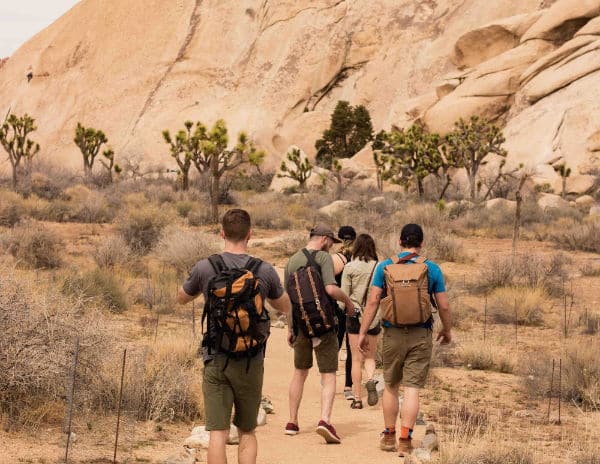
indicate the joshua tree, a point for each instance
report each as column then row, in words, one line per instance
column 110, row 164
column 564, row 173
column 471, row 142
column 184, row 147
column 412, row 154
column 209, row 153
column 89, row 141
column 300, row 170
column 14, row 136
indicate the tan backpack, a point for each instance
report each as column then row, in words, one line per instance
column 407, row 286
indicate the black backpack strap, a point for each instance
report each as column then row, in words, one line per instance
column 253, row 265
column 310, row 257
column 217, row 263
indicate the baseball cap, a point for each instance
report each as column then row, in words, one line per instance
column 324, row 231
column 411, row 231
column 347, row 233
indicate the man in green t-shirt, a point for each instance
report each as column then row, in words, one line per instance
column 325, row 347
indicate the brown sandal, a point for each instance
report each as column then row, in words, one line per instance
column 356, row 404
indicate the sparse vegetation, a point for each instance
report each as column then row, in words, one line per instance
column 33, row 246
column 300, row 169
column 182, row 248
column 97, row 287
column 141, row 227
column 111, row 252
column 479, row 355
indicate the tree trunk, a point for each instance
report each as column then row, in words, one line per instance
column 448, row 180
column 214, row 188
column 420, row 187
column 14, row 177
column 517, row 224
column 185, row 180
column 338, row 187
column 472, row 186
column 564, row 187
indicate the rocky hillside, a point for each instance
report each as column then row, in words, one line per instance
column 277, row 69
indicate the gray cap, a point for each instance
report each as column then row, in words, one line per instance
column 324, row 231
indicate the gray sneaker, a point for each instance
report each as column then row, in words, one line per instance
column 349, row 395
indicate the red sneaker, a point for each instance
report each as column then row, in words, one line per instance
column 291, row 429
column 327, row 431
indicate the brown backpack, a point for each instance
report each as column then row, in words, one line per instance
column 407, row 301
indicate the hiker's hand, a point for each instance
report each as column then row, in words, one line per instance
column 444, row 337
column 363, row 343
column 290, row 339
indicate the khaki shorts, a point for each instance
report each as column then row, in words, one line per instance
column 326, row 352
column 406, row 356
column 232, row 387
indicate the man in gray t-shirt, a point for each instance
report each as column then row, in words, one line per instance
column 228, row 381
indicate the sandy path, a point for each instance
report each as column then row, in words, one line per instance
column 359, row 429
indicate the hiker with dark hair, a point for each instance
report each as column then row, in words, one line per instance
column 405, row 284
column 310, row 282
column 347, row 235
column 356, row 280
column 235, row 286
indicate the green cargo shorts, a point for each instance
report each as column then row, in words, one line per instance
column 406, row 355
column 233, row 386
column 326, row 352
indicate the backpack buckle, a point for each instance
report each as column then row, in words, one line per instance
column 404, row 283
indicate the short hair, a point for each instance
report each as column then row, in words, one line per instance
column 411, row 236
column 236, row 224
column 364, row 248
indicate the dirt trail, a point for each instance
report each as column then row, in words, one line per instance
column 359, row 429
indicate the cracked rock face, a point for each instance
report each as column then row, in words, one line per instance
column 277, row 69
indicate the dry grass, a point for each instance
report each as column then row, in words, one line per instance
column 480, row 355
column 590, row 322
column 590, row 270
column 182, row 248
column 97, row 287
column 578, row 236
column 33, row 246
column 141, row 227
column 11, row 208
column 112, row 252
column 445, row 247
column 525, row 305
column 486, row 451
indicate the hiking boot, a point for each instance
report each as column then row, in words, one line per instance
column 404, row 447
column 372, row 396
column 387, row 441
column 348, row 394
column 327, row 431
column 291, row 429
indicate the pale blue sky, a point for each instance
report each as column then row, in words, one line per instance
column 22, row 19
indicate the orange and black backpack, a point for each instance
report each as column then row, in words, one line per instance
column 238, row 324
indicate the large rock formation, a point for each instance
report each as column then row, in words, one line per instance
column 277, row 69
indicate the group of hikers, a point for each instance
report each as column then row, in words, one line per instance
column 330, row 299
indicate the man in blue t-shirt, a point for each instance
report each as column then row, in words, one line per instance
column 406, row 349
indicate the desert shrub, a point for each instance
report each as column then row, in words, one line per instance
column 163, row 382
column 465, row 418
column 426, row 215
column 141, row 227
column 112, row 251
column 159, row 193
column 590, row 322
column 445, row 247
column 55, row 211
column 199, row 217
column 98, row 286
column 487, row 452
column 38, row 328
column 288, row 244
column 33, row 246
column 497, row 221
column 478, row 355
column 183, row 208
column 182, row 248
column 581, row 374
column 271, row 217
column 589, row 270
column 11, row 208
column 588, row 456
column 578, row 236
column 529, row 304
column 531, row 271
column 89, row 206
column 256, row 181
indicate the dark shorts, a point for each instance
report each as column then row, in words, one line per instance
column 353, row 327
column 406, row 356
column 233, row 386
column 326, row 352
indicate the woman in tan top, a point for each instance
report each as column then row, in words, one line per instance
column 356, row 280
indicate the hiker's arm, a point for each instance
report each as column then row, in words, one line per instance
column 338, row 263
column 282, row 304
column 446, row 317
column 346, row 286
column 184, row 298
column 370, row 309
column 336, row 293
